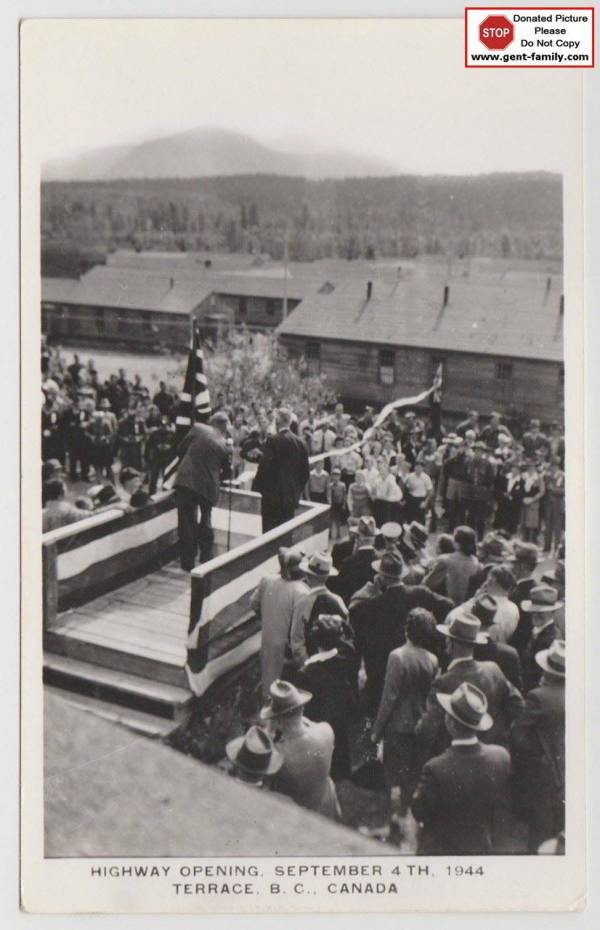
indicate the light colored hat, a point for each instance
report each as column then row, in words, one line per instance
column 254, row 753
column 552, row 660
column 284, row 698
column 465, row 628
column 468, row 705
column 366, row 526
column 542, row 599
column 391, row 530
column 319, row 564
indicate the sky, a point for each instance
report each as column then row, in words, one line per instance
column 394, row 89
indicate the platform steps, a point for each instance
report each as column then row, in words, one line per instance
column 142, row 705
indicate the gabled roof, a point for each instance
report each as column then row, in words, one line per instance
column 507, row 315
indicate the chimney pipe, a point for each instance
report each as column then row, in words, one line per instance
column 562, row 305
column 446, row 295
column 369, row 289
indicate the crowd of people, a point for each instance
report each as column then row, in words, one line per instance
column 434, row 623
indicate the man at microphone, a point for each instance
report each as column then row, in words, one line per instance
column 205, row 457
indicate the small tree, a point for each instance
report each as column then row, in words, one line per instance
column 253, row 369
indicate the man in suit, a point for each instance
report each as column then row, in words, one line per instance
column 379, row 622
column 541, row 606
column 410, row 671
column 524, row 563
column 282, row 474
column 463, row 634
column 357, row 568
column 204, row 457
column 306, row 748
column 537, row 742
column 485, row 608
column 461, row 792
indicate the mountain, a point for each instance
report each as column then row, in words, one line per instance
column 209, row 152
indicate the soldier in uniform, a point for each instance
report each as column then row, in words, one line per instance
column 76, row 422
column 132, row 432
column 159, row 451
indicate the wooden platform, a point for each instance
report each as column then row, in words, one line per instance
column 140, row 628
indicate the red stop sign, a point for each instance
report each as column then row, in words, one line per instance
column 496, row 32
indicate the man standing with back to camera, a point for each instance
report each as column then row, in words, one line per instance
column 282, row 474
column 204, row 457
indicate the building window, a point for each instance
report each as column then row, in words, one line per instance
column 313, row 358
column 293, row 353
column 271, row 307
column 561, row 377
column 243, row 308
column 147, row 321
column 100, row 325
column 504, row 371
column 122, row 321
column 387, row 364
column 73, row 322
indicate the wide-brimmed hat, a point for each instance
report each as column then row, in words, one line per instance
column 552, row 660
column 557, row 575
column 105, row 404
column 390, row 565
column 320, row 564
column 525, row 552
column 103, row 494
column 366, row 526
column 493, row 548
column 464, row 628
column 283, row 699
column 391, row 530
column 418, row 534
column 543, row 598
column 451, row 439
column 468, row 705
column 254, row 753
column 485, row 608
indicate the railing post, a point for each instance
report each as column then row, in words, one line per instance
column 49, row 585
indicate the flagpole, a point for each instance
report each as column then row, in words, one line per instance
column 285, row 273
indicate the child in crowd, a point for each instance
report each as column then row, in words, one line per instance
column 337, row 501
column 318, row 483
column 359, row 500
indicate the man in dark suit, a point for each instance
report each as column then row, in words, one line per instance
column 357, row 568
column 461, row 792
column 282, row 474
column 537, row 742
column 541, row 606
column 524, row 563
column 462, row 635
column 204, row 457
column 506, row 657
column 379, row 622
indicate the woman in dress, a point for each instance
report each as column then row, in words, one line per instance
column 533, row 491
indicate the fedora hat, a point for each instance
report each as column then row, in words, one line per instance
column 254, row 753
column 465, row 628
column 283, row 699
column 319, row 564
column 390, row 565
column 552, row 660
column 493, row 548
column 484, row 608
column 391, row 530
column 418, row 534
column 557, row 575
column 468, row 705
column 543, row 598
column 525, row 552
column 366, row 526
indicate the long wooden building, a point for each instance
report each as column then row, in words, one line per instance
column 498, row 335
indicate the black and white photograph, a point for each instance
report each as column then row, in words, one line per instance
column 305, row 494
